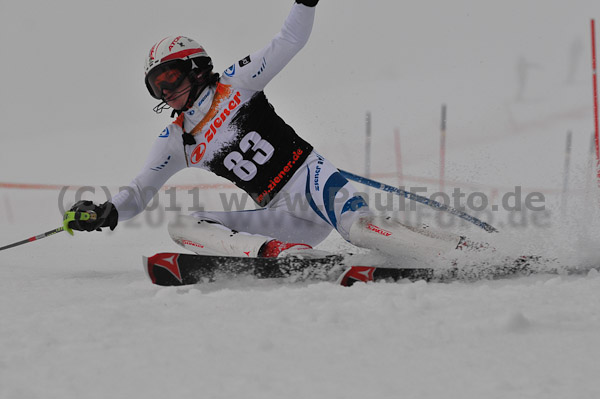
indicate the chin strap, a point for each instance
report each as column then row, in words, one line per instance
column 200, row 82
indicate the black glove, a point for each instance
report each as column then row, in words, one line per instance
column 308, row 3
column 106, row 216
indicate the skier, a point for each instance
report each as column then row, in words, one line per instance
column 226, row 125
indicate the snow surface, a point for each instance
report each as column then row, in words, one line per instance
column 78, row 317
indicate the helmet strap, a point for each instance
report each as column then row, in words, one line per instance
column 200, row 80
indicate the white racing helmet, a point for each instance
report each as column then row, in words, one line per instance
column 180, row 55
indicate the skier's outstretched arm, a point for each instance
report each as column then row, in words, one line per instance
column 255, row 71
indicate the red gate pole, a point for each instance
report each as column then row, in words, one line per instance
column 595, row 83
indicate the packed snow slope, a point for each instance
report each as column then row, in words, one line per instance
column 78, row 316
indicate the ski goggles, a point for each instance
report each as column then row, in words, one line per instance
column 168, row 77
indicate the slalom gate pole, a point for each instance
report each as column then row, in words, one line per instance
column 69, row 217
column 368, row 144
column 595, row 83
column 398, row 156
column 566, row 172
column 590, row 169
column 418, row 198
column 443, row 148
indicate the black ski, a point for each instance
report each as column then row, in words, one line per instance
column 175, row 269
column 170, row 269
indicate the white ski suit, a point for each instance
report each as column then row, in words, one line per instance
column 241, row 138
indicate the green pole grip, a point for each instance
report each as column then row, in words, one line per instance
column 71, row 216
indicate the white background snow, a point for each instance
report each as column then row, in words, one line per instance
column 79, row 318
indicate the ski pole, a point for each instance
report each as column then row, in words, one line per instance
column 69, row 217
column 35, row 238
column 423, row 200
